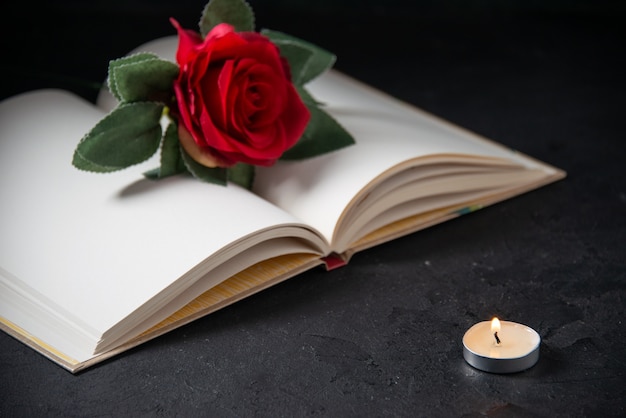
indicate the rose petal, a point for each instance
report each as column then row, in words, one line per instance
column 220, row 30
column 224, row 84
column 295, row 118
column 187, row 42
column 235, row 97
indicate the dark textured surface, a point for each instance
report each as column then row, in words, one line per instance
column 383, row 335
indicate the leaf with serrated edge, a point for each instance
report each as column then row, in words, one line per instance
column 171, row 159
column 129, row 135
column 124, row 61
column 86, row 165
column 317, row 61
column 299, row 59
column 322, row 135
column 237, row 13
column 145, row 80
column 206, row 174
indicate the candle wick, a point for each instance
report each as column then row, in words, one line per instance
column 495, row 334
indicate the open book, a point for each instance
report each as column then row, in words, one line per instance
column 92, row 265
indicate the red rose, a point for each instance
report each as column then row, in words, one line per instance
column 236, row 101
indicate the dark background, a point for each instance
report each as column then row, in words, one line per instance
column 382, row 336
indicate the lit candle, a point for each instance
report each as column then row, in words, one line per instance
column 501, row 347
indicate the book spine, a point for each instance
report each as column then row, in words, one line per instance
column 334, row 261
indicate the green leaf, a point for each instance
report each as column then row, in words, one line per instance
column 299, row 59
column 146, row 79
column 322, row 135
column 242, row 174
column 87, row 165
column 124, row 61
column 130, row 134
column 171, row 159
column 307, row 98
column 306, row 60
column 234, row 12
column 153, row 174
column 210, row 175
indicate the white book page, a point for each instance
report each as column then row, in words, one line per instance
column 100, row 245
column 387, row 133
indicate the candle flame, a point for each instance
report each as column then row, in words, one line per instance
column 495, row 325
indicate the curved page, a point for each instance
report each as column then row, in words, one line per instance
column 388, row 134
column 89, row 249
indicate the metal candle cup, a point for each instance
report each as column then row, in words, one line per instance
column 501, row 346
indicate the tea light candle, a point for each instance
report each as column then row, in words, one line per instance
column 501, row 347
